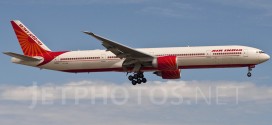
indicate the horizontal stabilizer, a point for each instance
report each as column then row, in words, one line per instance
column 22, row 57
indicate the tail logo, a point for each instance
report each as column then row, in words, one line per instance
column 30, row 35
column 29, row 43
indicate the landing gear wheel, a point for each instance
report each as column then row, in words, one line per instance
column 139, row 81
column 141, row 75
column 136, row 76
column 130, row 78
column 249, row 74
column 144, row 80
column 134, row 82
column 249, row 70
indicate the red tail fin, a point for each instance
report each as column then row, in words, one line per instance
column 29, row 43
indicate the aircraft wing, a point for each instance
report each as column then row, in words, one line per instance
column 120, row 50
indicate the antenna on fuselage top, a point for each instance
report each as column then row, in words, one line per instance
column 188, row 44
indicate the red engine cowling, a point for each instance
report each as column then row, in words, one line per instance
column 165, row 63
column 169, row 74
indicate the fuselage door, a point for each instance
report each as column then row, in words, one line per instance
column 103, row 58
column 245, row 52
column 208, row 53
column 56, row 59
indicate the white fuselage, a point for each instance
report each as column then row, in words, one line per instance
column 187, row 57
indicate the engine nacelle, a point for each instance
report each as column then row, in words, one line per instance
column 169, row 74
column 165, row 63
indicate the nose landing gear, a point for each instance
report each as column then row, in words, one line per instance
column 249, row 74
column 137, row 78
column 249, row 71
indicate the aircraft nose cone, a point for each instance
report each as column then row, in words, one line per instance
column 268, row 57
column 265, row 57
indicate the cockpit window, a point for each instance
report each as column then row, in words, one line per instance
column 261, row 51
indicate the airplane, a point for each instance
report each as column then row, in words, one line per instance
column 166, row 63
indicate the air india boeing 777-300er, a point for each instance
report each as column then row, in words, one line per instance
column 164, row 62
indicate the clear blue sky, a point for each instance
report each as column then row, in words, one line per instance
column 138, row 23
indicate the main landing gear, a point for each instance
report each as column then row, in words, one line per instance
column 137, row 78
column 249, row 71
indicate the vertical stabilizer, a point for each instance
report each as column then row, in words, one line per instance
column 30, row 44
